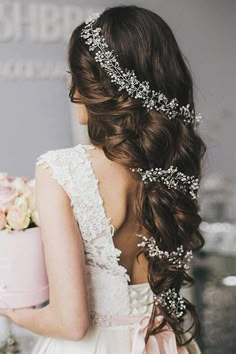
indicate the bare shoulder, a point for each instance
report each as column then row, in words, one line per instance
column 106, row 168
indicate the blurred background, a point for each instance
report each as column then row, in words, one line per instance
column 36, row 116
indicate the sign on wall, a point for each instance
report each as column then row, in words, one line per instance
column 28, row 24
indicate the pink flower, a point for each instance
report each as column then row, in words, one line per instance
column 3, row 220
column 10, row 179
column 7, row 195
column 18, row 218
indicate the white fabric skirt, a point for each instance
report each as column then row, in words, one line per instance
column 110, row 340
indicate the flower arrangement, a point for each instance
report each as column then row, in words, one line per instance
column 23, row 280
column 17, row 203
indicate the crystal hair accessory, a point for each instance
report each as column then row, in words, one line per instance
column 180, row 258
column 173, row 302
column 185, row 183
column 127, row 79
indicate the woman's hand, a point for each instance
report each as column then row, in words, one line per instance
column 13, row 314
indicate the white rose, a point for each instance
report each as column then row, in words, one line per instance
column 18, row 218
column 22, row 201
column 35, row 217
column 30, row 192
column 19, row 185
column 3, row 176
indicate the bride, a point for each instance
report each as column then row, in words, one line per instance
column 119, row 217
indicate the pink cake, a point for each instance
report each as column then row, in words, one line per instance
column 23, row 276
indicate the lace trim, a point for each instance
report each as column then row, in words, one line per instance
column 56, row 161
column 100, row 320
column 99, row 197
column 101, row 208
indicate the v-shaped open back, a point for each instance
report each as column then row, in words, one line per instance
column 126, row 234
column 107, row 279
column 101, row 205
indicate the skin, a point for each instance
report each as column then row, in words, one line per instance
column 82, row 113
column 63, row 246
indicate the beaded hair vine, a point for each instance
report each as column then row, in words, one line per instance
column 179, row 258
column 127, row 79
column 185, row 183
column 172, row 301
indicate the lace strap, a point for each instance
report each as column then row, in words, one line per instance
column 60, row 162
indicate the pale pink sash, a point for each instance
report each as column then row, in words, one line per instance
column 161, row 343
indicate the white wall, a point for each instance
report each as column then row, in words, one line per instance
column 36, row 114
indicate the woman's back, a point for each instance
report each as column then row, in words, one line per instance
column 118, row 187
column 119, row 311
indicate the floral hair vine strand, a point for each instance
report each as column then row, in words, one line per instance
column 127, row 79
column 179, row 258
column 172, row 178
column 172, row 301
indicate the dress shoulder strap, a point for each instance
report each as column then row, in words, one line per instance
column 71, row 168
column 62, row 163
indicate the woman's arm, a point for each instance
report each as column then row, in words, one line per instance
column 42, row 321
column 67, row 312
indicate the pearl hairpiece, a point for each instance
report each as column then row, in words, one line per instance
column 180, row 258
column 127, row 79
column 185, row 183
column 173, row 302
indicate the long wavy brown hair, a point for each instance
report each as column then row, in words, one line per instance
column 134, row 137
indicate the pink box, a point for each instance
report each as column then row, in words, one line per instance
column 23, row 276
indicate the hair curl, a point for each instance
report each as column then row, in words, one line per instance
column 134, row 137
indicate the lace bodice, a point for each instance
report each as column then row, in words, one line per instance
column 108, row 289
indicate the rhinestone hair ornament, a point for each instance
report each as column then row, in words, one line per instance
column 179, row 258
column 174, row 303
column 127, row 79
column 171, row 178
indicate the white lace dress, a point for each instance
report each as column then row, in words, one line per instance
column 119, row 312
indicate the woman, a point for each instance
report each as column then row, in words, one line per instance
column 119, row 217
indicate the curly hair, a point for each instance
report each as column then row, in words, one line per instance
column 134, row 137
